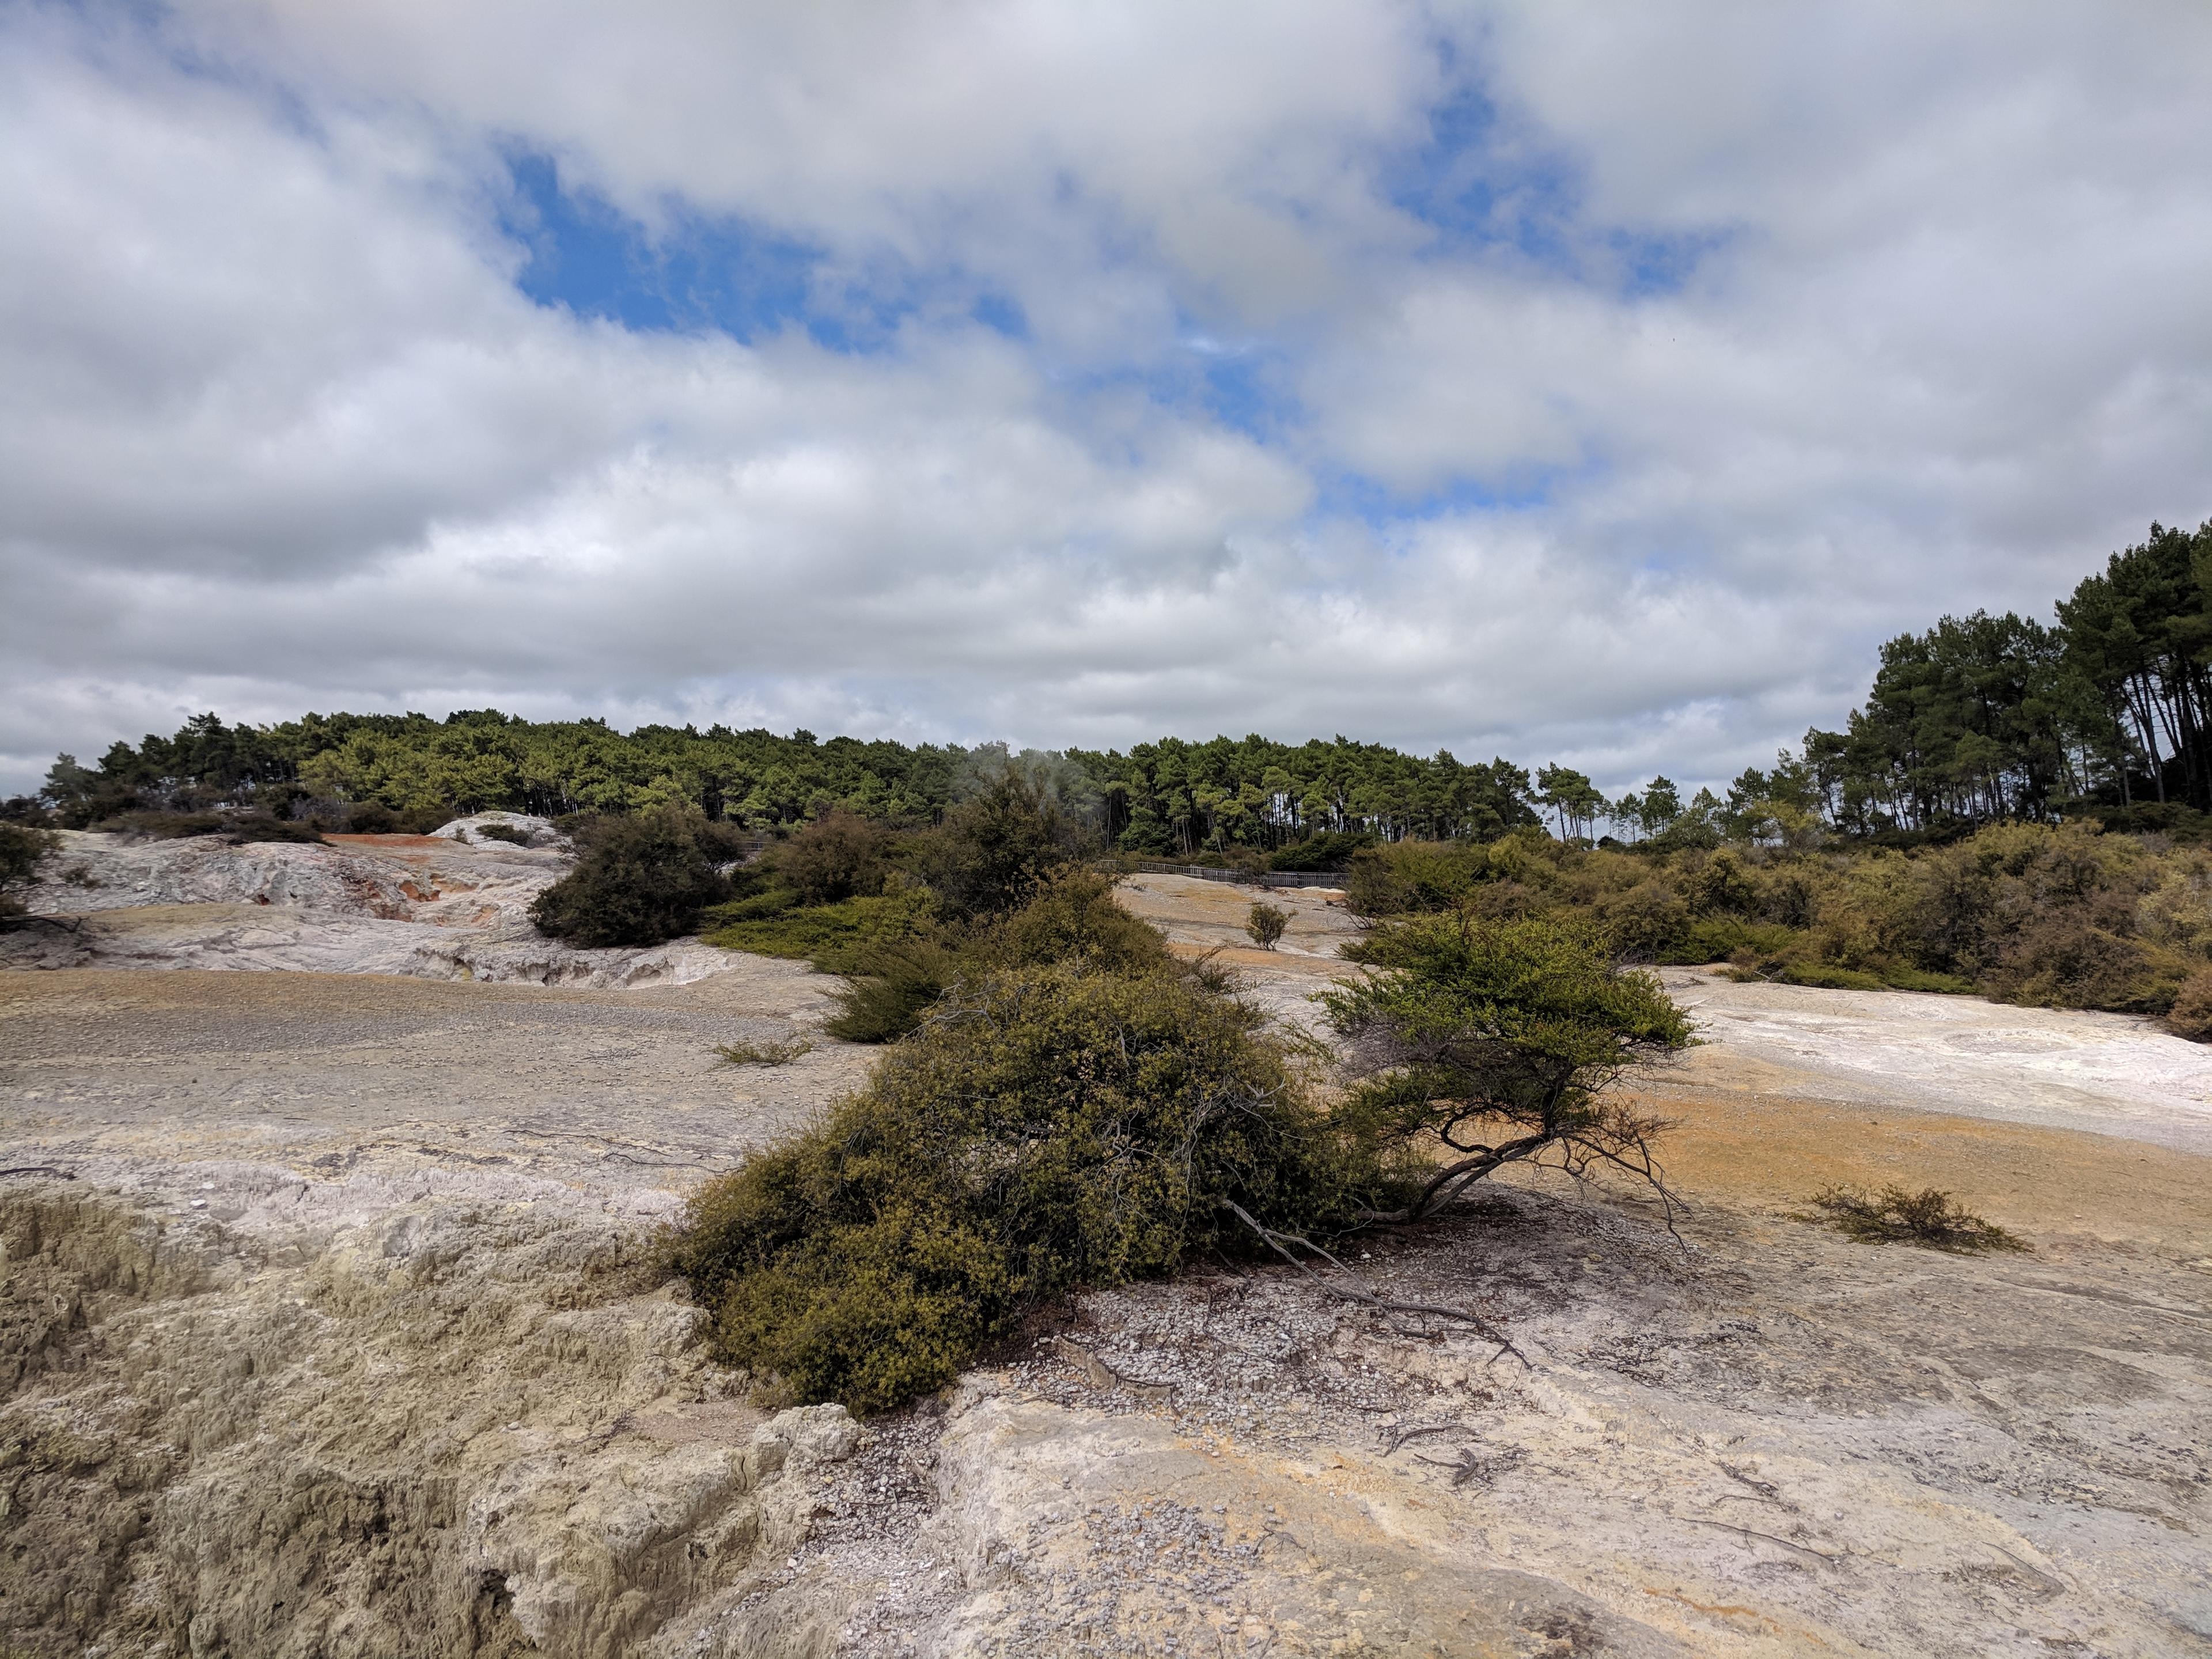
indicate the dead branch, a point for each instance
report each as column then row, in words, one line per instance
column 1746, row 1532
column 1280, row 1242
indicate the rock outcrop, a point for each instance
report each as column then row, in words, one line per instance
column 440, row 1433
column 443, row 907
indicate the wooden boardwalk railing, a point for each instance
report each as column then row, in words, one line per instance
column 1246, row 878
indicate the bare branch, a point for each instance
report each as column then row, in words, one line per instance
column 1279, row 1243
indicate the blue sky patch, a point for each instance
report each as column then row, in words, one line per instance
column 1483, row 191
column 720, row 274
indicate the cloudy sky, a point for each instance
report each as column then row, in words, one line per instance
column 1572, row 382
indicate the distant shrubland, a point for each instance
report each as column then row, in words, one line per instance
column 2060, row 915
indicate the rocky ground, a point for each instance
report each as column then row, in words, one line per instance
column 452, row 905
column 331, row 1326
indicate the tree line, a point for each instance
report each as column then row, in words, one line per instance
column 1172, row 798
column 1994, row 717
column 2106, row 710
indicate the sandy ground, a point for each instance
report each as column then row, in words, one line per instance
column 141, row 1079
column 386, row 1230
column 2111, row 1074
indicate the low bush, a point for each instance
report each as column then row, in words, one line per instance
column 1073, row 918
column 890, row 985
column 1266, row 923
column 2190, row 1016
column 512, row 835
column 638, row 880
column 2060, row 915
column 23, row 847
column 1931, row 1218
column 1047, row 1128
column 836, row 937
column 781, row 1052
column 237, row 828
column 370, row 817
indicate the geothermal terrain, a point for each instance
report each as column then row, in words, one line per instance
column 331, row 1326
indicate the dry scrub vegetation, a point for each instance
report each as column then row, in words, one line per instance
column 1069, row 1106
column 2053, row 915
column 1931, row 1218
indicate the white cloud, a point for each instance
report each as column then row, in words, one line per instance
column 279, row 430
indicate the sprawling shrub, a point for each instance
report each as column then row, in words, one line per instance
column 837, row 939
column 2190, row 1016
column 237, row 828
column 2058, row 915
column 891, row 984
column 1045, row 1128
column 1931, row 1218
column 1499, row 1041
column 638, row 880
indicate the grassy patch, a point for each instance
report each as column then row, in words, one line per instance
column 763, row 1053
column 1931, row 1218
column 1827, row 976
column 836, row 937
column 1915, row 979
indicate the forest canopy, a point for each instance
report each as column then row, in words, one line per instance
column 1170, row 798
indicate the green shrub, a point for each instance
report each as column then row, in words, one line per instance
column 1401, row 877
column 1499, row 1041
column 638, row 880
column 889, row 986
column 23, row 847
column 836, row 937
column 1720, row 938
column 1046, row 1129
column 1266, row 923
column 512, row 835
column 838, row 856
column 1332, row 849
column 235, row 827
column 369, row 818
column 1825, row 976
column 1913, row 979
column 1931, row 1218
column 989, row 856
column 1073, row 918
column 2190, row 1016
